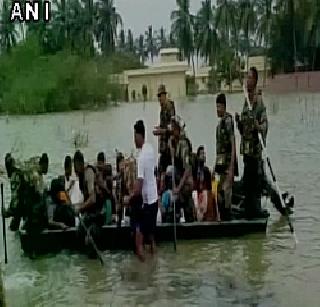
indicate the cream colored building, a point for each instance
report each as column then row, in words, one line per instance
column 259, row 62
column 236, row 86
column 201, row 78
column 169, row 71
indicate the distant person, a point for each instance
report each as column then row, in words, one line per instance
column 163, row 131
column 145, row 93
column 251, row 123
column 146, row 187
column 226, row 162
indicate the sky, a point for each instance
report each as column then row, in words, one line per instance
column 139, row 14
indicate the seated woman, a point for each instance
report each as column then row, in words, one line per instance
column 60, row 212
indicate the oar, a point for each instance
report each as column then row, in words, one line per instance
column 4, row 233
column 271, row 171
column 99, row 254
column 174, row 203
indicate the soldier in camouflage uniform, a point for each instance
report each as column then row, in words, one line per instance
column 166, row 113
column 181, row 149
column 36, row 194
column 226, row 166
column 251, row 123
column 16, row 206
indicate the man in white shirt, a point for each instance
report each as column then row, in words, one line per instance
column 71, row 183
column 145, row 186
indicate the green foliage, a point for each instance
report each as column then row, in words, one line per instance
column 35, row 83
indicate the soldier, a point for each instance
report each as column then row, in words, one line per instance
column 251, row 123
column 92, row 220
column 15, row 209
column 181, row 150
column 226, row 166
column 35, row 195
column 166, row 113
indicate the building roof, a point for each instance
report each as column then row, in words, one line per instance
column 169, row 51
column 203, row 71
column 157, row 70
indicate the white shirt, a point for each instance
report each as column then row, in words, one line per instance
column 146, row 167
column 75, row 193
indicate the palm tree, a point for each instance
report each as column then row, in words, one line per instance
column 265, row 19
column 150, row 42
column 183, row 30
column 130, row 41
column 163, row 40
column 8, row 32
column 141, row 47
column 314, row 29
column 172, row 40
column 225, row 19
column 122, row 42
column 247, row 22
column 206, row 36
column 288, row 8
column 107, row 23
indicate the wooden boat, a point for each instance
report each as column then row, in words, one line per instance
column 115, row 237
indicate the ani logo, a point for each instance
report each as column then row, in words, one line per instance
column 30, row 11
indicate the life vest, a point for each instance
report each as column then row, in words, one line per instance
column 224, row 146
column 128, row 175
column 183, row 144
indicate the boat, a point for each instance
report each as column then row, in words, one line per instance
column 119, row 238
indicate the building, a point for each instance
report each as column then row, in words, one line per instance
column 260, row 63
column 201, row 78
column 169, row 71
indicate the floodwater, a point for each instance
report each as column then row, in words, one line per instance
column 255, row 270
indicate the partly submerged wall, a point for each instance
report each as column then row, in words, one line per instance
column 295, row 82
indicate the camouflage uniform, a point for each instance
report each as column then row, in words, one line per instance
column 182, row 160
column 16, row 204
column 224, row 137
column 35, row 198
column 251, row 150
column 166, row 113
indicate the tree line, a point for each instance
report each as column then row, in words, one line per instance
column 222, row 33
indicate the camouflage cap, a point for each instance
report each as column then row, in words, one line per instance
column 161, row 89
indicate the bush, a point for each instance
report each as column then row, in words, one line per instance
column 34, row 83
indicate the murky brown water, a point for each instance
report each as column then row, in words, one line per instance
column 251, row 271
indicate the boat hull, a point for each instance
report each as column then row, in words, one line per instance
column 115, row 237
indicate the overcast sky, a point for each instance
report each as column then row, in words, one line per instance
column 139, row 14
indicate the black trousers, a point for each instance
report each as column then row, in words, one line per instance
column 253, row 177
column 93, row 223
